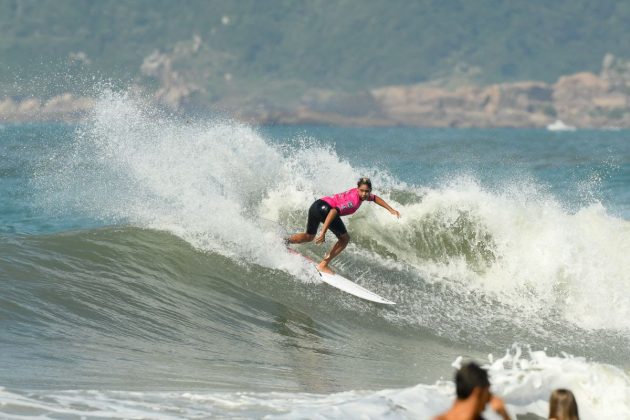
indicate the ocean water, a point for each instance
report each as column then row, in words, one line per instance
column 143, row 273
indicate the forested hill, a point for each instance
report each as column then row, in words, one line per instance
column 348, row 44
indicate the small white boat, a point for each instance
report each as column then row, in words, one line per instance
column 558, row 125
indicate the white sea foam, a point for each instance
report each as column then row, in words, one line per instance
column 211, row 182
column 520, row 245
column 524, row 381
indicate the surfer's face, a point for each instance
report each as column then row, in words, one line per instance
column 364, row 192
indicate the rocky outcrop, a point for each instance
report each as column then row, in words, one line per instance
column 520, row 104
column 582, row 100
column 616, row 71
column 175, row 86
column 64, row 107
column 192, row 67
column 189, row 67
column 588, row 100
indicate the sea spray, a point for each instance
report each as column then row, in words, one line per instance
column 212, row 182
column 520, row 246
column 208, row 182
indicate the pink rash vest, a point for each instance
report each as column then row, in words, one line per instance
column 347, row 202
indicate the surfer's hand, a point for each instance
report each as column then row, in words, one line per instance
column 395, row 213
column 321, row 238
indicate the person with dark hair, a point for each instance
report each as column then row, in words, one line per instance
column 327, row 210
column 472, row 388
column 562, row 405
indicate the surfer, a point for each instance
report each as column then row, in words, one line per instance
column 327, row 210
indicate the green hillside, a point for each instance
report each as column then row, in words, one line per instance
column 347, row 44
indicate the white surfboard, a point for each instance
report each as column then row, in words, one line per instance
column 346, row 285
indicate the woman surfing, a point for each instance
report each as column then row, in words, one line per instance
column 327, row 210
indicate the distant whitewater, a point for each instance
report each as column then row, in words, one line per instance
column 144, row 271
column 559, row 125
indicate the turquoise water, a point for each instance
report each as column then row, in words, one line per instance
column 578, row 168
column 142, row 270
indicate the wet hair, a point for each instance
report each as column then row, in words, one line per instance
column 365, row 181
column 562, row 405
column 469, row 377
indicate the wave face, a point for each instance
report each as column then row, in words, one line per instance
column 217, row 185
column 145, row 253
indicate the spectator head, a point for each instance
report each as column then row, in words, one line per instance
column 471, row 381
column 469, row 377
column 562, row 405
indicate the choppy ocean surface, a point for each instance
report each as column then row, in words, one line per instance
column 143, row 273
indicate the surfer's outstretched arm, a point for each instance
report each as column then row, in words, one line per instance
column 378, row 200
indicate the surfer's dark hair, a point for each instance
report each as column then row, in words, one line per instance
column 365, row 181
column 469, row 377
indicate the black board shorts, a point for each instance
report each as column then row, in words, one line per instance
column 317, row 214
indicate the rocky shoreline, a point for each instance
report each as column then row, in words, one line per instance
column 583, row 100
column 65, row 107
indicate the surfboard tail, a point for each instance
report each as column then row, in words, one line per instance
column 346, row 285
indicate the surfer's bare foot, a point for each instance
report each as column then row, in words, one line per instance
column 323, row 267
